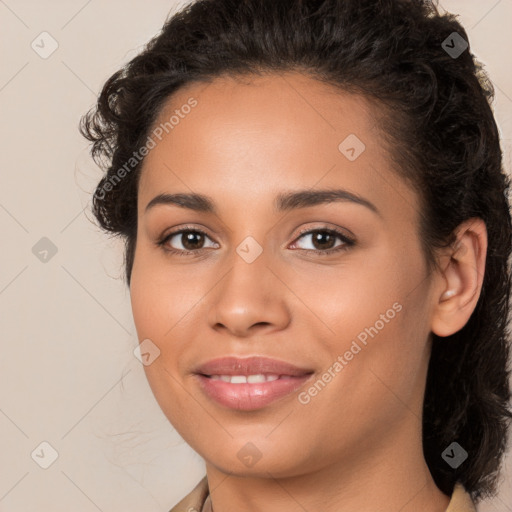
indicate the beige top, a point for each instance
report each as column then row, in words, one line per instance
column 198, row 500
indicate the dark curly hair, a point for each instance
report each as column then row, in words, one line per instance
column 440, row 131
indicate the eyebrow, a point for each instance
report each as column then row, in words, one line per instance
column 283, row 202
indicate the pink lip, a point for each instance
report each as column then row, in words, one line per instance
column 250, row 366
column 250, row 396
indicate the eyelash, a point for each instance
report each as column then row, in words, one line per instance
column 347, row 242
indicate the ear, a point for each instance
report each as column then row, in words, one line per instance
column 460, row 280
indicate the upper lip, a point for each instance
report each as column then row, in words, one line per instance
column 250, row 366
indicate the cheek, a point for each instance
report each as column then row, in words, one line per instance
column 158, row 298
column 377, row 315
column 352, row 298
column 156, row 309
column 142, row 295
column 166, row 304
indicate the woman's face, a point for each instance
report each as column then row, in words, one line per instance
column 347, row 329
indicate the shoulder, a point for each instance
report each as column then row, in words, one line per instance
column 461, row 500
column 193, row 501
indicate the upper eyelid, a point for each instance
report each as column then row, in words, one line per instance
column 336, row 230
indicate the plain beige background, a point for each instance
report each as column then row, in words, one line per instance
column 69, row 376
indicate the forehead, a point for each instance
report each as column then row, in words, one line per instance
column 253, row 135
column 287, row 105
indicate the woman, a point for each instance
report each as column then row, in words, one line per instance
column 317, row 231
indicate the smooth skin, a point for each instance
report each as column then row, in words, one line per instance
column 357, row 444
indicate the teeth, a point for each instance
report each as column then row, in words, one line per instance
column 242, row 379
column 253, row 379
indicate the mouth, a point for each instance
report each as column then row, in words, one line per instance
column 247, row 379
column 249, row 383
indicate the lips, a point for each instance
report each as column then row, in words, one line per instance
column 250, row 366
column 249, row 383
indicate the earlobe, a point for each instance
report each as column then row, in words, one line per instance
column 460, row 281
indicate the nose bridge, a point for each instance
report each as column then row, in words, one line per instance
column 248, row 293
column 249, row 273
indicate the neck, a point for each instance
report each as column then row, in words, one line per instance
column 390, row 478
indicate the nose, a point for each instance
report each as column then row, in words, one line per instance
column 250, row 299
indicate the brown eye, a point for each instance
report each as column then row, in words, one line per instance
column 185, row 241
column 323, row 241
column 191, row 240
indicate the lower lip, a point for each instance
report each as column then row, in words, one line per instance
column 249, row 397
